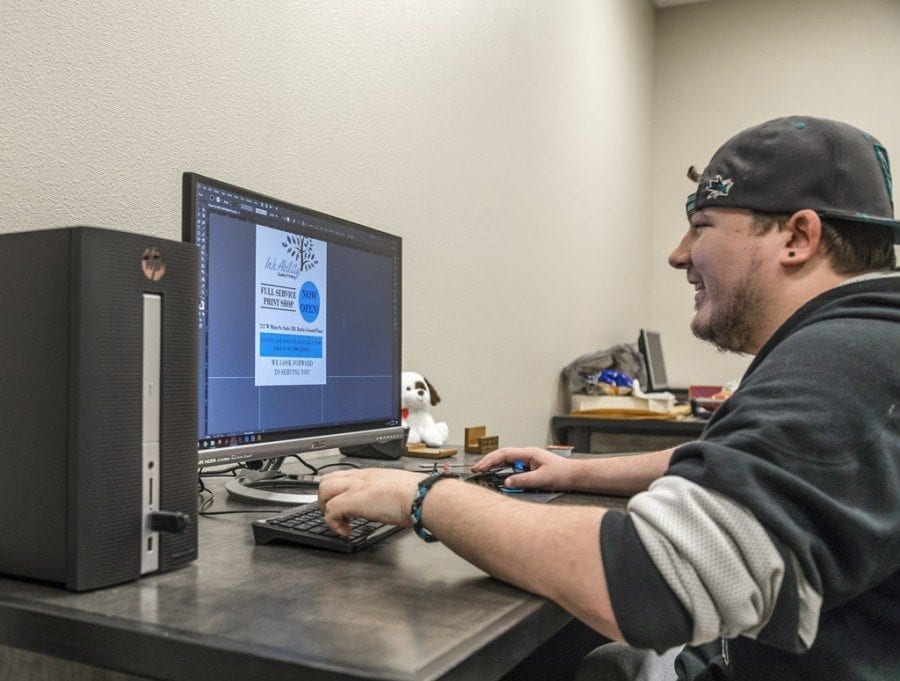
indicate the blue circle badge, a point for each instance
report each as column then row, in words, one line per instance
column 308, row 301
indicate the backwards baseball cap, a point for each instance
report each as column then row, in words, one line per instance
column 798, row 162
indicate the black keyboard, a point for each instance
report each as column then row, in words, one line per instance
column 305, row 525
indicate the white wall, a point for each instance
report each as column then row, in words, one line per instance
column 729, row 64
column 531, row 153
column 507, row 142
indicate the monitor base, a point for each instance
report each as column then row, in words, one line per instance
column 392, row 449
column 274, row 487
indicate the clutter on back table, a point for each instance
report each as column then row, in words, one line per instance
column 607, row 384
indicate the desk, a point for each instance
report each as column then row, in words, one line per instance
column 616, row 436
column 401, row 609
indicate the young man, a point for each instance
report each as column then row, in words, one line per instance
column 771, row 545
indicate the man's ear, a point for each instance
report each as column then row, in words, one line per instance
column 435, row 398
column 802, row 234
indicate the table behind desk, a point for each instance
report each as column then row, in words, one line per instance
column 607, row 436
column 401, row 609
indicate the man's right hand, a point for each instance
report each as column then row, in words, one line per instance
column 545, row 470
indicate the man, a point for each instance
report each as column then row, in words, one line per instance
column 771, row 545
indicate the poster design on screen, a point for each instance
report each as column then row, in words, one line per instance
column 291, row 284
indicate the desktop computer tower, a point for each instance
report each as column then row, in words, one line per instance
column 98, row 405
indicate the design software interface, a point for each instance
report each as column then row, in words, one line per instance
column 299, row 321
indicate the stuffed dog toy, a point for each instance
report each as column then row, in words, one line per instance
column 417, row 396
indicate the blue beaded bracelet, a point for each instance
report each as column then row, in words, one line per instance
column 416, row 511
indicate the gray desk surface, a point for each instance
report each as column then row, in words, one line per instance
column 401, row 609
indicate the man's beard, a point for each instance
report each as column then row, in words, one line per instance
column 733, row 326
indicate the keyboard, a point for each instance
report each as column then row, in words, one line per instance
column 305, row 525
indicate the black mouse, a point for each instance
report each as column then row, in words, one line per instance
column 494, row 477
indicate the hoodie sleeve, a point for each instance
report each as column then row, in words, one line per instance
column 760, row 525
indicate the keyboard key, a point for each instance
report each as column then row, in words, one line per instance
column 305, row 526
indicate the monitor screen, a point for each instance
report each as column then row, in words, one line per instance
column 299, row 318
column 650, row 346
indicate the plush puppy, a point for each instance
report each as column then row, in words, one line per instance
column 417, row 396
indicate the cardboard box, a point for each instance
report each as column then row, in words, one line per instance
column 661, row 404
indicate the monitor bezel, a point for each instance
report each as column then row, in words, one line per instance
column 650, row 347
column 279, row 444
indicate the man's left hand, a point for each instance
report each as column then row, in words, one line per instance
column 379, row 494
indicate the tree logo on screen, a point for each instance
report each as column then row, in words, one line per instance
column 309, row 302
column 153, row 264
column 303, row 251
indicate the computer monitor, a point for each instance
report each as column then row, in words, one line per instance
column 650, row 346
column 300, row 333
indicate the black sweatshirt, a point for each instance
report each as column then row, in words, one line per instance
column 779, row 529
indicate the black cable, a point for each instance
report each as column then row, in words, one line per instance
column 206, row 501
column 315, row 470
column 306, row 464
column 266, row 465
column 222, row 473
column 340, row 463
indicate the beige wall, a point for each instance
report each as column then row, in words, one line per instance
column 529, row 152
column 500, row 139
column 729, row 64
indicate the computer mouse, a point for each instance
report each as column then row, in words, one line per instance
column 494, row 477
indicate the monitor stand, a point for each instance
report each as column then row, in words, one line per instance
column 274, row 487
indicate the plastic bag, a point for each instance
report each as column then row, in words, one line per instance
column 581, row 375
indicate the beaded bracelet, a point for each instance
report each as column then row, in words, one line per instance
column 416, row 510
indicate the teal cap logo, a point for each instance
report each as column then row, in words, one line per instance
column 718, row 187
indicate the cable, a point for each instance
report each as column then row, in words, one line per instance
column 340, row 463
column 265, row 465
column 206, row 502
column 305, row 463
column 315, row 470
column 222, row 472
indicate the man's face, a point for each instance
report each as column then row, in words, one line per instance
column 724, row 261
